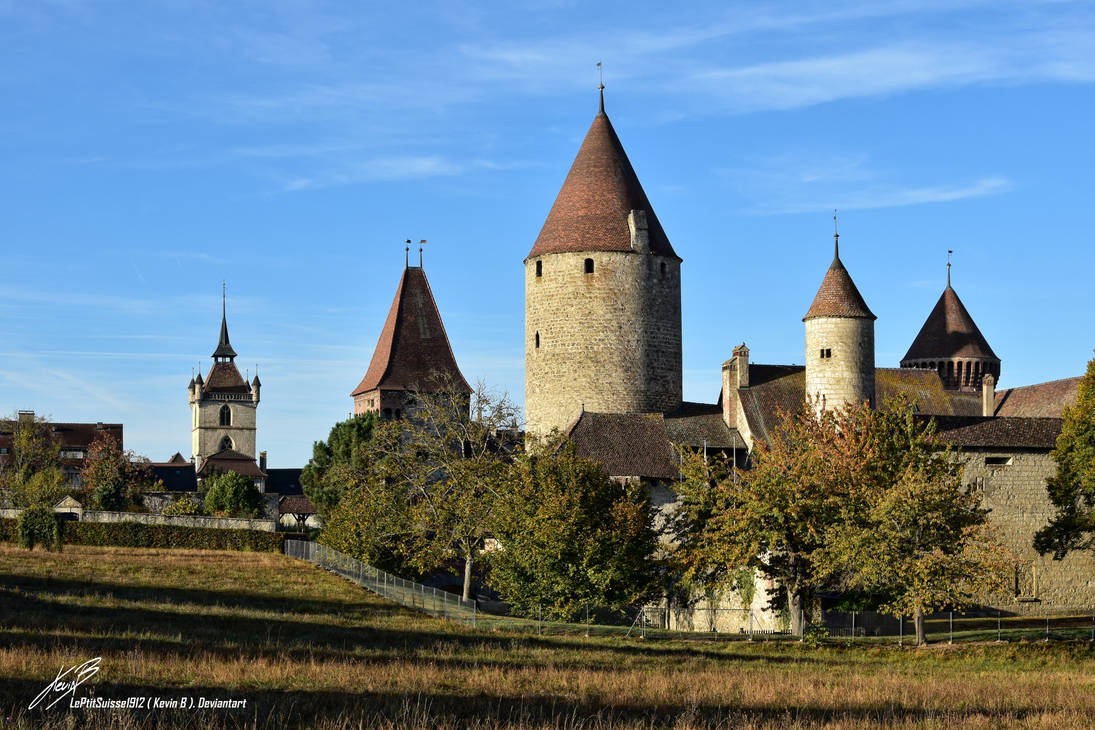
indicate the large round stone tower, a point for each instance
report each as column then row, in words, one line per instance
column 839, row 341
column 602, row 296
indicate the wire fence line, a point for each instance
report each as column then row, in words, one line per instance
column 659, row 622
column 423, row 598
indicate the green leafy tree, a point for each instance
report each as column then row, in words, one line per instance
column 112, row 479
column 232, row 495
column 776, row 516
column 35, row 474
column 323, row 479
column 38, row 525
column 1072, row 488
column 915, row 536
column 569, row 537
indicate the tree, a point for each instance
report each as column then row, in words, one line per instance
column 916, row 537
column 232, row 495
column 35, row 475
column 113, row 478
column 777, row 516
column 323, row 478
column 569, row 537
column 1072, row 488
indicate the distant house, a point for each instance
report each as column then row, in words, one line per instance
column 75, row 440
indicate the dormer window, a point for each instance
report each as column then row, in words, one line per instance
column 589, row 266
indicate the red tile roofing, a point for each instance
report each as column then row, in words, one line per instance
column 838, row 296
column 1041, row 400
column 626, row 444
column 413, row 351
column 601, row 189
column 949, row 332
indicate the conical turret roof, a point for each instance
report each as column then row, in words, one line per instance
column 601, row 189
column 949, row 333
column 413, row 351
column 224, row 347
column 838, row 295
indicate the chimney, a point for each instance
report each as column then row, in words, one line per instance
column 640, row 233
column 25, row 416
column 988, row 396
column 735, row 375
column 262, row 460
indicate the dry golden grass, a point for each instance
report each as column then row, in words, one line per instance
column 308, row 649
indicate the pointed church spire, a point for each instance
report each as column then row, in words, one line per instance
column 224, row 347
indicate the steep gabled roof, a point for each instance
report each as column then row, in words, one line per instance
column 1044, row 400
column 949, row 332
column 413, row 351
column 230, row 460
column 626, row 444
column 838, row 295
column 224, row 377
column 601, row 189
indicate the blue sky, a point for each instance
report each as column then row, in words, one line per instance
column 152, row 149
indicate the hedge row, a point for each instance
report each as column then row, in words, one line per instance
column 138, row 534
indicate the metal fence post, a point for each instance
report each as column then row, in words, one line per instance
column 750, row 624
column 901, row 630
column 951, row 640
column 1047, row 626
column 802, row 623
column 539, row 619
column 852, row 638
column 587, row 620
column 998, row 638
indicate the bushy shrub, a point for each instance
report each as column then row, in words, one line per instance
column 232, row 495
column 39, row 525
column 42, row 488
column 182, row 506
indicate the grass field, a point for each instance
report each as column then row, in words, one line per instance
column 308, row 649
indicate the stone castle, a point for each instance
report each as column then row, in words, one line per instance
column 603, row 365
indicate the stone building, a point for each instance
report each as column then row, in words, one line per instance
column 223, row 408
column 603, row 364
column 412, row 355
column 602, row 296
column 74, row 439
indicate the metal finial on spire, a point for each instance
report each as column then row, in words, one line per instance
column 420, row 245
column 949, row 252
column 601, row 86
column 407, row 253
column 836, row 236
column 224, row 298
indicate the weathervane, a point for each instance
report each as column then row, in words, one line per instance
column 407, row 253
column 601, row 85
column 420, row 245
column 836, row 235
column 949, row 252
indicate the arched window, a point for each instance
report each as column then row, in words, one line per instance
column 226, row 443
column 537, row 339
column 226, row 415
column 539, row 268
column 589, row 266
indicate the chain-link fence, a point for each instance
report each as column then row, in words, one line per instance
column 407, row 593
column 955, row 626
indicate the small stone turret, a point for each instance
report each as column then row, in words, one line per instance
column 839, row 341
column 255, row 385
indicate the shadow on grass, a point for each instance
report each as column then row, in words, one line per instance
column 327, row 709
column 34, row 622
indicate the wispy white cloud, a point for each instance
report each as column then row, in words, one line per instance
column 890, row 197
column 382, row 169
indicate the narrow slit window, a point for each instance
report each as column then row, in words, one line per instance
column 826, row 353
column 537, row 340
column 539, row 268
column 997, row 461
column 589, row 266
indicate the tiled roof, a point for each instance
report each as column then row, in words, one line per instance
column 1001, row 433
column 413, row 351
column 949, row 332
column 176, row 477
column 296, row 504
column 775, row 387
column 1047, row 400
column 601, row 189
column 838, row 296
column 283, row 481
column 224, row 377
column 626, row 444
column 230, row 460
column 699, row 425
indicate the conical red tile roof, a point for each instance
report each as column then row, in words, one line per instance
column 601, row 189
column 838, row 296
column 949, row 332
column 413, row 351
